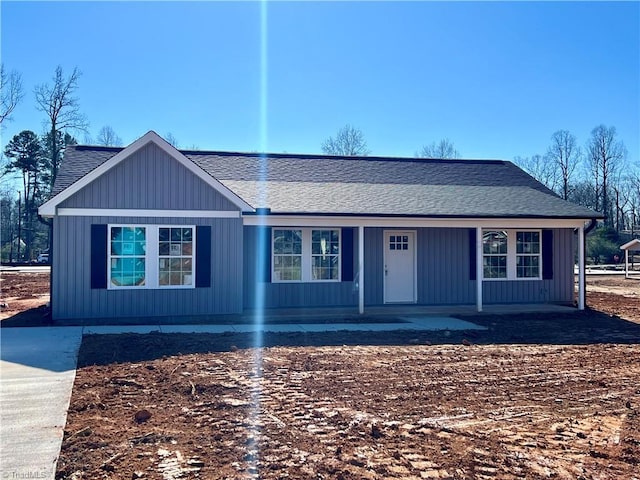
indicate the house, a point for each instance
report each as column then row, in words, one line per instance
column 631, row 246
column 148, row 231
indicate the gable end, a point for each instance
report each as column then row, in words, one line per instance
column 48, row 209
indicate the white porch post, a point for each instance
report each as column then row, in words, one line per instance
column 626, row 263
column 581, row 267
column 479, row 269
column 361, row 269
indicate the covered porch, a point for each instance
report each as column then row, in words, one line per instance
column 440, row 277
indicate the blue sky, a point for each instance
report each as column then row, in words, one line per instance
column 497, row 78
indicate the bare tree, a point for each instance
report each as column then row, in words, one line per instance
column 565, row 156
column 582, row 193
column 171, row 139
column 622, row 190
column 108, row 137
column 442, row 149
column 349, row 141
column 605, row 155
column 634, row 213
column 58, row 102
column 539, row 168
column 10, row 93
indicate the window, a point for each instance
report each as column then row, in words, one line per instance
column 287, row 255
column 398, row 242
column 306, row 255
column 528, row 254
column 151, row 256
column 175, row 248
column 325, row 254
column 494, row 251
column 128, row 256
column 511, row 254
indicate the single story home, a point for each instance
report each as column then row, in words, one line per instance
column 149, row 231
column 631, row 246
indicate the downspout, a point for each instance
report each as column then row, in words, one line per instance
column 592, row 224
column 51, row 255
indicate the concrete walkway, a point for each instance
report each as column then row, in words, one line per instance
column 408, row 323
column 37, row 370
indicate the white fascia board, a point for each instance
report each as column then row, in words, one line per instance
column 48, row 209
column 132, row 212
column 632, row 245
column 406, row 222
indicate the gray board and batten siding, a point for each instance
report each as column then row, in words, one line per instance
column 443, row 271
column 149, row 179
column 559, row 289
column 73, row 241
column 257, row 273
column 443, row 274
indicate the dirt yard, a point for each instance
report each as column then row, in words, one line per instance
column 22, row 292
column 533, row 396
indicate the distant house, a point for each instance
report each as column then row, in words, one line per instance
column 148, row 231
column 631, row 246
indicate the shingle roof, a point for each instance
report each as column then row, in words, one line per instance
column 78, row 161
column 315, row 184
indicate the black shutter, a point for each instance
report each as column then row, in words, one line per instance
column 347, row 254
column 99, row 244
column 547, row 254
column 263, row 238
column 473, row 255
column 203, row 256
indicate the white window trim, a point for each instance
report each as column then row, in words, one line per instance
column 306, row 260
column 152, row 258
column 512, row 254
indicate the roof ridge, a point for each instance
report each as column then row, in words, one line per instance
column 304, row 156
column 318, row 156
column 99, row 148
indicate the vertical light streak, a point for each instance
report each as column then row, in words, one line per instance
column 262, row 263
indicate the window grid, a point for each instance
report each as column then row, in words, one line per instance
column 151, row 256
column 398, row 242
column 306, row 255
column 325, row 254
column 128, row 256
column 494, row 249
column 512, row 254
column 175, row 251
column 287, row 255
column 527, row 254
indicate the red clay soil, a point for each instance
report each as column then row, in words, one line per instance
column 353, row 412
column 24, row 295
column 533, row 396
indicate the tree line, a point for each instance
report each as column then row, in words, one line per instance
column 598, row 175
column 350, row 141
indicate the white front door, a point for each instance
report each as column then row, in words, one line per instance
column 399, row 266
